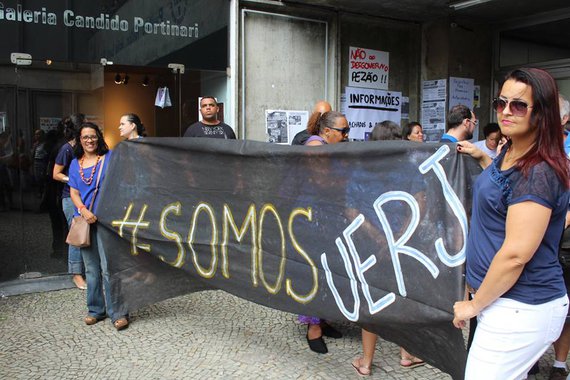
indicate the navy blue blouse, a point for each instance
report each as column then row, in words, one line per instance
column 494, row 191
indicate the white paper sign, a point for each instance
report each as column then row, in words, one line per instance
column 434, row 90
column 49, row 123
column 283, row 125
column 368, row 68
column 366, row 107
column 434, row 95
column 461, row 91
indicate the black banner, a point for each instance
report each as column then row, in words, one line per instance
column 371, row 232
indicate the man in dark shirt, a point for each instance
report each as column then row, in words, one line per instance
column 210, row 126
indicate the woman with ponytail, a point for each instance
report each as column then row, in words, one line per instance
column 131, row 127
column 329, row 128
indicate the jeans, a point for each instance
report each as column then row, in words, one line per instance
column 97, row 275
column 74, row 260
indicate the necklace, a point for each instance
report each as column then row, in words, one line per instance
column 90, row 179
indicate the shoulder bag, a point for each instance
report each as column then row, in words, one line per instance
column 79, row 231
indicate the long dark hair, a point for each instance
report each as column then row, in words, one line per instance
column 102, row 147
column 545, row 119
column 134, row 118
column 71, row 124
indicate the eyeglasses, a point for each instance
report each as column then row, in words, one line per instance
column 475, row 123
column 517, row 107
column 344, row 131
column 87, row 138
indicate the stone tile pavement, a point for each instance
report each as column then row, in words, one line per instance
column 207, row 335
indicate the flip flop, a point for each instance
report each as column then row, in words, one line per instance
column 361, row 370
column 411, row 363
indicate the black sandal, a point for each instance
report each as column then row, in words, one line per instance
column 317, row 345
column 330, row 331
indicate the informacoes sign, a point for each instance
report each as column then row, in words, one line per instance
column 366, row 107
column 368, row 68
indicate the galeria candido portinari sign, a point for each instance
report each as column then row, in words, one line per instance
column 102, row 21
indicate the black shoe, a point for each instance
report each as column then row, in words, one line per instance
column 558, row 374
column 330, row 331
column 534, row 369
column 317, row 345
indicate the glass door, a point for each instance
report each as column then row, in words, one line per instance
column 34, row 98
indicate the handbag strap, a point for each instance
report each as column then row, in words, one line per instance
column 97, row 183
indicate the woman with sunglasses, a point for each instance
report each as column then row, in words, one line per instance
column 92, row 160
column 519, row 207
column 329, row 128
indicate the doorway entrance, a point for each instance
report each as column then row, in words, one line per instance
column 35, row 96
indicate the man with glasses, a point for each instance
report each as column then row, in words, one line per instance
column 461, row 123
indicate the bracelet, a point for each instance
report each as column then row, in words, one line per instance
column 81, row 208
column 65, row 179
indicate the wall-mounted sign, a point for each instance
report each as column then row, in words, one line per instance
column 283, row 125
column 368, row 68
column 366, row 107
column 138, row 33
column 434, row 95
column 461, row 91
column 49, row 123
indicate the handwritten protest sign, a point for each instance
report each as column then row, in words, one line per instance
column 368, row 68
column 461, row 91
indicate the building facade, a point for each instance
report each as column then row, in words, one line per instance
column 111, row 57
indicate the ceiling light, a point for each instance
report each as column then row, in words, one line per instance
column 467, row 4
column 126, row 79
column 145, row 81
column 118, row 79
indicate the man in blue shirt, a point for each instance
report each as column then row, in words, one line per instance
column 565, row 117
column 461, row 122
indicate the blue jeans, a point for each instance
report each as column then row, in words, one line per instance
column 97, row 275
column 74, row 260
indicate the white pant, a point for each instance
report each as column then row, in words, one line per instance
column 511, row 336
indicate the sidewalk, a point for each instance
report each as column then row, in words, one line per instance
column 204, row 335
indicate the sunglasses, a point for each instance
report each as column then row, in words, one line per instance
column 344, row 131
column 517, row 107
